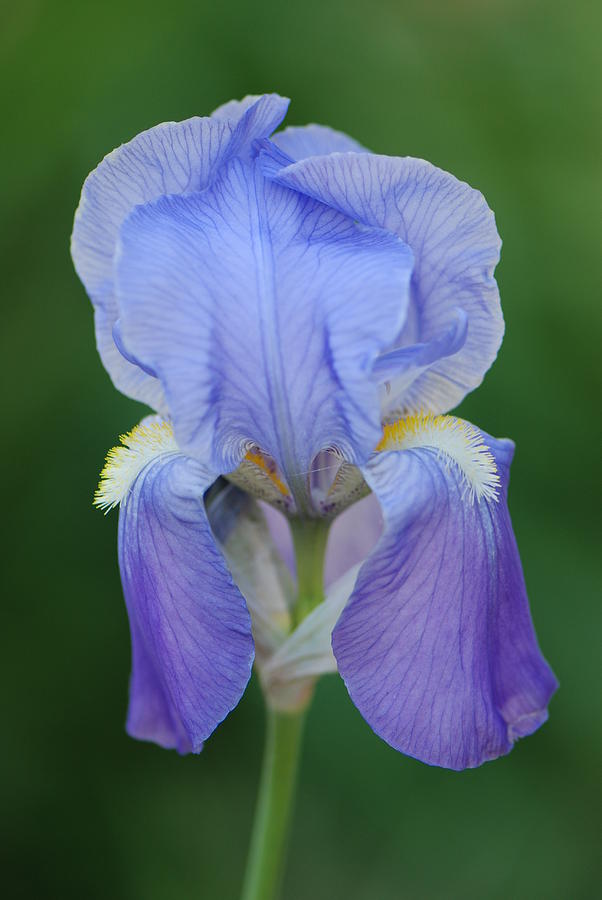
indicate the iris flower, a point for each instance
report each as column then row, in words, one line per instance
column 300, row 314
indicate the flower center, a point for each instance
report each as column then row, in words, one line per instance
column 259, row 475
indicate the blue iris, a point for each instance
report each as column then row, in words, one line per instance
column 300, row 314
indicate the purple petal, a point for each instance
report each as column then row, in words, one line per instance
column 256, row 307
column 456, row 246
column 171, row 158
column 436, row 645
column 192, row 649
column 151, row 714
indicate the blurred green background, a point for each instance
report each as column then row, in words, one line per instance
column 504, row 94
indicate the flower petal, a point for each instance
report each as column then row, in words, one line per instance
column 299, row 142
column 399, row 370
column 171, row 158
column 191, row 630
column 255, row 306
column 151, row 715
column 233, row 110
column 456, row 246
column 436, row 645
column 257, row 122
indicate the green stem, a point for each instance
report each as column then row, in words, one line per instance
column 274, row 806
column 284, row 730
column 309, row 538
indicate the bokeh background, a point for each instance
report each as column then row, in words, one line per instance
column 506, row 95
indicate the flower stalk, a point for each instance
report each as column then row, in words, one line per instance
column 274, row 806
column 309, row 539
column 273, row 815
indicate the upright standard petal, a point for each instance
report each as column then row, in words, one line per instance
column 233, row 110
column 171, row 158
column 399, row 369
column 436, row 645
column 256, row 123
column 456, row 246
column 301, row 141
column 262, row 313
column 192, row 649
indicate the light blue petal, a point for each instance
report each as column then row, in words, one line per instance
column 191, row 630
column 436, row 645
column 172, row 158
column 302, row 141
column 234, row 109
column 127, row 355
column 256, row 123
column 262, row 313
column 399, row 369
column 297, row 141
column 420, row 356
column 456, row 247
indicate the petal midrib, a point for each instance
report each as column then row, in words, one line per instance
column 262, row 244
